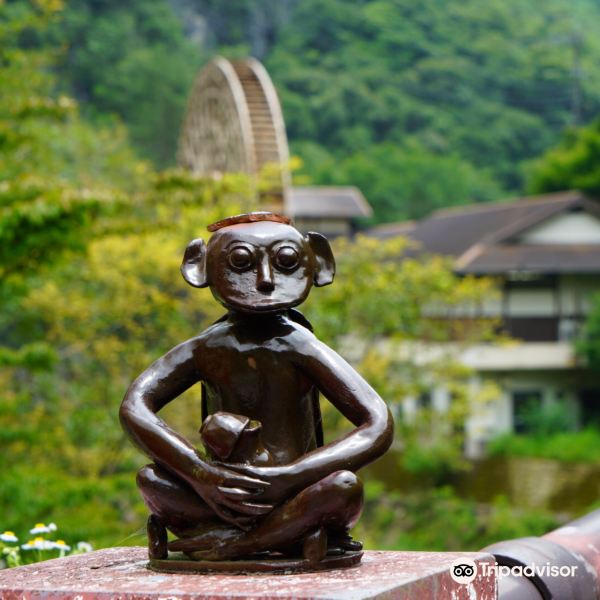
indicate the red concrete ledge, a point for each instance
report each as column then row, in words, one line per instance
column 121, row 574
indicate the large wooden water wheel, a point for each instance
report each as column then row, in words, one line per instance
column 234, row 123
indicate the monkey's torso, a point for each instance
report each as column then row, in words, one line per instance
column 252, row 366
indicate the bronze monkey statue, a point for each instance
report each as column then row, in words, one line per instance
column 266, row 486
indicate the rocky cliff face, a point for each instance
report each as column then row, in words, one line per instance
column 253, row 24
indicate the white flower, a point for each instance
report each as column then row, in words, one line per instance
column 8, row 536
column 39, row 544
column 84, row 547
column 41, row 528
column 61, row 545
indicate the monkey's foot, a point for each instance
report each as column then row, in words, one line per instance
column 338, row 543
column 314, row 547
column 219, row 549
column 205, row 541
column 157, row 538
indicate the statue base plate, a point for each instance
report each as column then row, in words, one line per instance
column 179, row 563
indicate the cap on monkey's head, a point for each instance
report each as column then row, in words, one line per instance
column 258, row 263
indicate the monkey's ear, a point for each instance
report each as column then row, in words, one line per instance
column 193, row 267
column 325, row 263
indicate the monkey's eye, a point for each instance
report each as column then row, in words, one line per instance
column 287, row 258
column 240, row 257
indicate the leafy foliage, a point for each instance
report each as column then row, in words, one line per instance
column 573, row 164
column 548, row 419
column 421, row 105
column 588, row 343
column 48, row 158
column 439, row 520
column 107, row 314
column 377, row 294
column 581, row 446
column 404, row 182
column 131, row 60
column 492, row 84
column 41, row 130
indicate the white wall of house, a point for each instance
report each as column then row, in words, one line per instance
column 565, row 228
column 486, row 420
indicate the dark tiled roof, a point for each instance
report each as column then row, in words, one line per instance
column 484, row 237
column 318, row 202
column 535, row 258
column 453, row 231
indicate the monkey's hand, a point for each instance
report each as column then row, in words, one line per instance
column 230, row 495
column 282, row 481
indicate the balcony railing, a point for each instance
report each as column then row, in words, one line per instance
column 542, row 329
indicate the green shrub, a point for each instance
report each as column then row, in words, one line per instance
column 550, row 418
column 580, row 446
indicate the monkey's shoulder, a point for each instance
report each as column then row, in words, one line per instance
column 277, row 334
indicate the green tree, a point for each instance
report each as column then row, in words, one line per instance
column 493, row 85
column 404, row 182
column 572, row 165
column 575, row 165
column 249, row 26
column 131, row 60
column 488, row 87
column 49, row 158
column 588, row 344
column 106, row 313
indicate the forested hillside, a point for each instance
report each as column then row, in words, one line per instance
column 420, row 104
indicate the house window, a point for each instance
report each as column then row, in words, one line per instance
column 424, row 400
column 525, row 404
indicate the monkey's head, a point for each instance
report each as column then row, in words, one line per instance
column 258, row 263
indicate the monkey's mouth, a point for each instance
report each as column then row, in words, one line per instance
column 265, row 305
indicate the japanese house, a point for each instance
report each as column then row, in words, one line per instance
column 546, row 252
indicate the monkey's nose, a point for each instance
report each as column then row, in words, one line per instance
column 264, row 278
column 265, row 286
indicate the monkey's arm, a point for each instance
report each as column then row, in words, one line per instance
column 358, row 402
column 163, row 381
